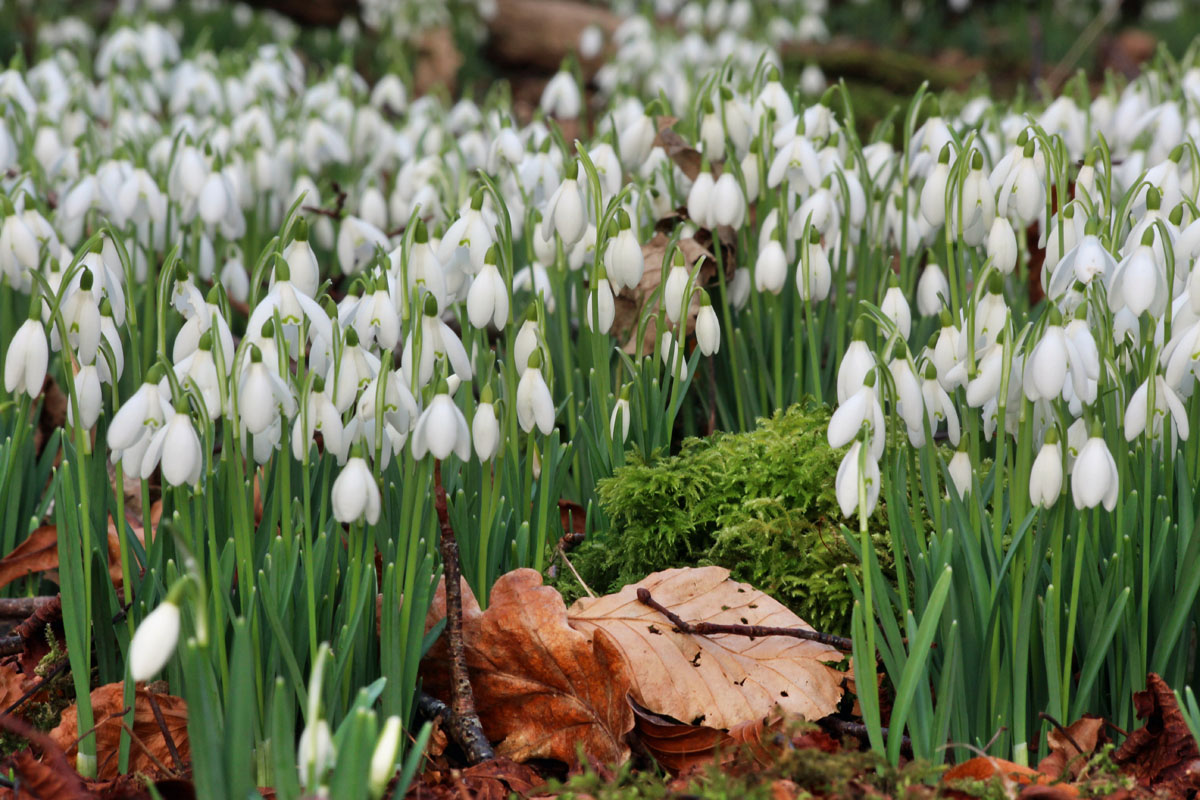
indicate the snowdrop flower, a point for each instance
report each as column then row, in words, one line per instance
column 564, row 212
column 933, row 193
column 200, row 370
column 728, row 205
column 620, row 413
column 383, row 759
column 442, row 429
column 1002, row 246
column 978, row 203
column 535, row 404
column 316, row 753
column 294, row 308
column 1140, row 281
column 357, row 240
column 856, row 364
column 136, row 421
column 708, row 328
column 909, row 403
column 1046, row 475
column 487, row 300
column 561, row 96
column 318, row 414
column 154, row 641
column 527, row 338
column 81, row 313
column 671, row 353
column 933, row 291
column 1021, row 194
column 355, row 497
column 1094, row 478
column 600, row 305
column 437, row 339
column 701, row 199
column 814, row 277
column 1082, row 263
column 90, row 396
column 961, row 473
column 1166, row 401
column 938, row 408
column 849, row 474
column 862, row 408
column 1046, row 368
column 302, row 262
column 770, row 269
column 177, row 446
column 623, row 257
column 985, row 385
column 485, row 429
column 895, row 307
column 27, row 357
column 796, row 162
column 675, row 287
column 262, row 395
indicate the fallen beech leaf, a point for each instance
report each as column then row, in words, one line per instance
column 1161, row 755
column 718, row 681
column 1065, row 759
column 35, row 638
column 542, row 688
column 1011, row 774
column 686, row 157
column 492, row 780
column 106, row 707
column 50, row 779
column 39, row 553
column 679, row 747
column 633, row 304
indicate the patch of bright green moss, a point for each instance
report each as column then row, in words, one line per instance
column 759, row 503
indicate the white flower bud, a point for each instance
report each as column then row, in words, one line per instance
column 154, row 641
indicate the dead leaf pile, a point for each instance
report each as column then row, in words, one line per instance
column 551, row 682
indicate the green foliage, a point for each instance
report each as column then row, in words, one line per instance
column 759, row 503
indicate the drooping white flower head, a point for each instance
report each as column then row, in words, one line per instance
column 849, row 475
column 154, row 641
column 1046, row 475
column 442, row 429
column 535, row 404
column 355, row 495
column 1094, row 478
column 27, row 358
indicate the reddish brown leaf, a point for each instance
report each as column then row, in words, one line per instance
column 686, row 157
column 1161, row 755
column 491, row 780
column 1010, row 774
column 50, row 779
column 34, row 637
column 1066, row 760
column 149, row 752
column 542, row 689
column 39, row 553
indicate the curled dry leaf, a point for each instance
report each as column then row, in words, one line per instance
column 1161, row 755
column 50, row 779
column 1009, row 773
column 1071, row 748
column 679, row 747
column 720, row 681
column 150, row 752
column 497, row 779
column 686, row 157
column 542, row 689
column 39, row 553
column 35, row 632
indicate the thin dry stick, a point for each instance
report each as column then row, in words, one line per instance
column 167, row 737
column 562, row 552
column 463, row 723
column 753, row 631
column 133, row 737
column 21, row 607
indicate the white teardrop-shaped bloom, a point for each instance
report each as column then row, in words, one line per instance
column 355, row 495
column 600, row 305
column 261, row 395
column 895, row 307
column 302, row 263
column 933, row 291
column 138, row 418
column 177, row 447
column 700, row 201
column 728, row 202
column 154, row 641
column 1139, row 283
column 862, row 408
column 487, row 300
column 852, row 372
column 1094, row 478
column 315, row 753
column 673, row 292
column 1166, row 402
column 933, row 195
column 623, row 260
column 535, row 404
column 383, row 758
column 26, row 361
column 814, row 276
column 1046, row 476
column 909, row 402
column 442, row 430
column 1046, row 370
column 620, row 413
column 564, row 213
column 81, row 313
column 708, row 330
column 1002, row 246
column 90, row 395
column 846, row 484
column 485, row 431
column 561, row 96
column 961, row 472
column 770, row 270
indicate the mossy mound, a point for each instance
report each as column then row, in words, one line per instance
column 759, row 503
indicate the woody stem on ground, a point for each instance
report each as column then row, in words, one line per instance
column 753, row 631
column 463, row 724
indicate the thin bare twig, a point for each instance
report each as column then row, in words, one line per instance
column 22, row 607
column 562, row 552
column 167, row 737
column 462, row 723
column 753, row 631
column 857, row 730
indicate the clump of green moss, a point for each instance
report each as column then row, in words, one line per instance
column 760, row 503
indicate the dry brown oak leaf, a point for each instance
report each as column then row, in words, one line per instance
column 149, row 753
column 542, row 689
column 1161, row 755
column 717, row 681
column 1066, row 760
